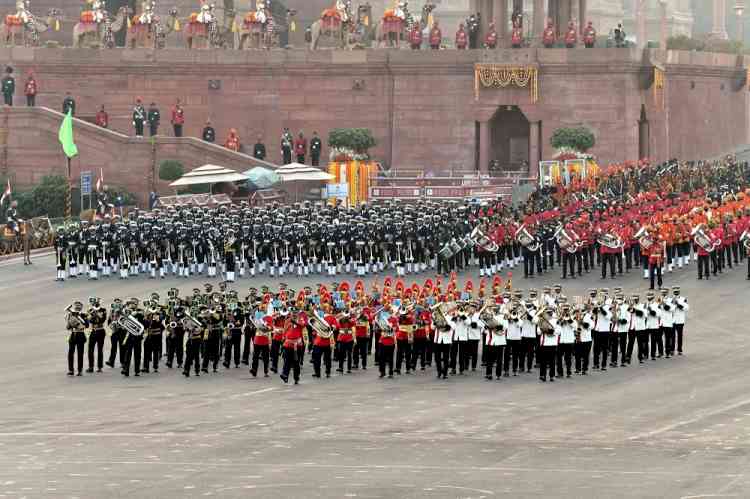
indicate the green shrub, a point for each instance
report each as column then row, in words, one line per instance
column 356, row 139
column 579, row 139
column 170, row 170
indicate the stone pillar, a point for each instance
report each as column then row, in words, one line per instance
column 535, row 152
column 484, row 147
column 539, row 18
column 582, row 16
column 566, row 13
column 720, row 20
column 500, row 10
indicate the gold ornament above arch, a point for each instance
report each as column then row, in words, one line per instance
column 501, row 76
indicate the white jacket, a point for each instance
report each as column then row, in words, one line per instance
column 604, row 318
column 652, row 315
column 497, row 337
column 475, row 333
column 624, row 320
column 587, row 325
column 666, row 313
column 568, row 332
column 639, row 317
column 680, row 310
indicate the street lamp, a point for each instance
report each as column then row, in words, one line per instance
column 739, row 10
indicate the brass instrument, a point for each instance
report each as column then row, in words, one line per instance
column 745, row 239
column 644, row 238
column 610, row 240
column 703, row 240
column 526, row 240
column 565, row 241
column 321, row 327
column 482, row 241
column 131, row 325
column 229, row 245
column 73, row 319
column 541, row 320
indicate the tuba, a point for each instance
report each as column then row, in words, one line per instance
column 526, row 240
column 564, row 240
column 703, row 240
column 439, row 318
column 321, row 327
column 745, row 239
column 131, row 325
column 610, row 240
column 644, row 238
column 482, row 241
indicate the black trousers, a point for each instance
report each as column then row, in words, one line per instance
column 345, row 354
column 458, row 356
column 116, row 343
column 657, row 342
column 703, row 269
column 386, row 358
column 360, row 351
column 76, row 342
column 177, row 130
column 152, row 346
column 419, row 353
column 153, row 129
column 193, row 355
column 617, row 343
column 301, row 159
column 275, row 351
column 564, row 354
column 96, row 341
column 632, row 338
column 547, row 362
column 291, row 364
column 211, row 355
column 472, row 354
column 175, row 346
column 403, row 355
column 31, row 100
column 528, row 346
column 323, row 354
column 315, row 159
column 679, row 328
column 513, row 355
column 138, row 128
column 568, row 262
column 668, row 340
column 232, row 345
column 442, row 357
column 494, row 358
column 608, row 258
column 8, row 99
column 643, row 337
column 249, row 334
column 601, row 345
column 260, row 352
column 132, row 352
column 583, row 353
column 654, row 272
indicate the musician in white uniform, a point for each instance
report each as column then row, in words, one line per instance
column 495, row 346
column 529, row 338
column 603, row 313
column 620, row 327
column 666, row 312
column 513, row 336
column 568, row 327
column 638, row 315
column 475, row 328
column 460, row 340
column 443, row 341
column 653, row 325
column 583, row 341
column 680, row 315
column 549, row 340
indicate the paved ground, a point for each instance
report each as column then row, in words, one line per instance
column 675, row 428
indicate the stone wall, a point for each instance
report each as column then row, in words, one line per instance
column 420, row 106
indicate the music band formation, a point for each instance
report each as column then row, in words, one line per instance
column 655, row 217
column 407, row 327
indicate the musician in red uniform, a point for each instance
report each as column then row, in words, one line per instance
column 516, row 36
column 571, row 36
column 387, row 345
column 548, row 36
column 589, row 36
column 30, row 89
column 657, row 254
column 279, row 319
column 322, row 347
column 419, row 350
column 415, row 36
column 178, row 118
column 490, row 39
column 292, row 339
column 461, row 38
column 362, row 334
column 233, row 141
column 260, row 346
column 405, row 337
column 436, row 36
column 345, row 340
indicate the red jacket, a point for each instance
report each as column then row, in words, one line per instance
column 292, row 336
column 300, row 146
column 436, row 36
column 390, row 340
column 178, row 115
column 345, row 330
column 30, row 88
column 102, row 119
column 415, row 36
column 461, row 39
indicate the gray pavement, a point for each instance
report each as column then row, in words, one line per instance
column 676, row 428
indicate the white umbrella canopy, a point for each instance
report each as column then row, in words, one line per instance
column 297, row 171
column 209, row 174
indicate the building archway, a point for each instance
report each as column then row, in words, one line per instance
column 509, row 138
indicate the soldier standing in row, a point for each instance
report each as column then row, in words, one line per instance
column 436, row 36
column 153, row 117
column 286, row 146
column 69, row 104
column 259, row 149
column 300, row 148
column 8, row 86
column 139, row 117
column 102, row 118
column 209, row 134
column 30, row 90
column 315, row 146
column 178, row 119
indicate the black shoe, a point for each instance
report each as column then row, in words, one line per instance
column 71, row 373
column 145, row 370
column 284, row 378
column 109, row 364
column 265, row 375
column 604, row 368
column 137, row 374
column 348, row 372
column 316, row 375
column 568, row 376
column 169, row 366
column 542, row 379
column 254, row 373
column 381, row 376
column 488, row 378
column 390, row 376
column 445, row 376
column 123, row 373
column 225, row 364
column 296, row 382
column 551, row 379
column 90, row 370
column 99, row 370
column 584, row 373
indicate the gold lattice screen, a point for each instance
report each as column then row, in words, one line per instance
column 502, row 76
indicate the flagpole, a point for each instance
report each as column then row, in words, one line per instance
column 68, row 198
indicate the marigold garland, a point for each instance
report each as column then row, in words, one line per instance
column 501, row 76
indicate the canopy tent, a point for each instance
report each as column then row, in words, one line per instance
column 209, row 174
column 262, row 178
column 296, row 171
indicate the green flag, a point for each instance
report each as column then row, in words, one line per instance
column 66, row 136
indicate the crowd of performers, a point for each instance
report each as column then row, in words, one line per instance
column 659, row 218
column 407, row 327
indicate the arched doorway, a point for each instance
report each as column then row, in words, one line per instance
column 509, row 140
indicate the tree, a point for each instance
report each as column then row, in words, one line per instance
column 45, row 199
column 170, row 170
column 579, row 139
column 358, row 140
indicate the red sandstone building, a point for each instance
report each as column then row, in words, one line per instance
column 422, row 107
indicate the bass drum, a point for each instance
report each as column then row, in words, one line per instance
column 446, row 252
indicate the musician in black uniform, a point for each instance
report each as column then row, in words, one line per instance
column 153, row 117
column 235, row 320
column 117, row 338
column 209, row 134
column 76, row 323
column 176, row 331
column 215, row 323
column 194, row 343
column 133, row 340
column 152, row 345
column 97, row 316
column 315, row 147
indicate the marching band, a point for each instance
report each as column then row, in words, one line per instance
column 656, row 224
column 404, row 327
